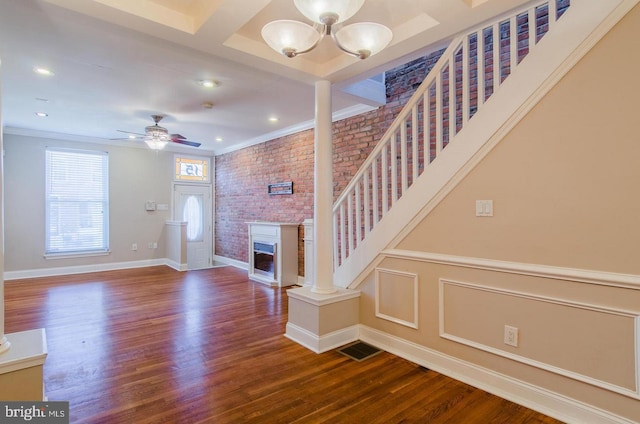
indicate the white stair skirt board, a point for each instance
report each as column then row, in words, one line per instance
column 514, row 390
column 324, row 343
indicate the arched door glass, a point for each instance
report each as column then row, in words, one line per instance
column 193, row 215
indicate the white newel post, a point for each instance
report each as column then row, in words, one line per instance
column 323, row 192
column 4, row 343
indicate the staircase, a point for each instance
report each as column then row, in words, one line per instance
column 483, row 84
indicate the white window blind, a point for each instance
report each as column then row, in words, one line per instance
column 77, row 201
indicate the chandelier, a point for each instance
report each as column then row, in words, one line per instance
column 293, row 38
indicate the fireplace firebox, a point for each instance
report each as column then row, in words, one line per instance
column 265, row 259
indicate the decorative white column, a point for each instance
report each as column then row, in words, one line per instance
column 323, row 192
column 309, row 255
column 323, row 317
column 4, row 343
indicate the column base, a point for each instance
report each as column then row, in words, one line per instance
column 320, row 290
column 322, row 322
column 4, row 345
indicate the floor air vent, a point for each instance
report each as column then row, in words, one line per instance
column 359, row 351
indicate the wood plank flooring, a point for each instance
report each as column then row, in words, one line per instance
column 155, row 345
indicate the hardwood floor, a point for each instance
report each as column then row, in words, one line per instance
column 155, row 345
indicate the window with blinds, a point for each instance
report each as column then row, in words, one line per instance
column 77, row 202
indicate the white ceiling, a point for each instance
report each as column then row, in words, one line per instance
column 116, row 62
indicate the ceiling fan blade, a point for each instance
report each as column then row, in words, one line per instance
column 131, row 132
column 186, row 142
column 177, row 137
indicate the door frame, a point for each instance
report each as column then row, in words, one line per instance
column 210, row 186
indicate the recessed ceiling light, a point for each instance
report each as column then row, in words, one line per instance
column 43, row 71
column 208, row 83
column 42, row 114
column 131, row 136
column 273, row 119
column 218, row 139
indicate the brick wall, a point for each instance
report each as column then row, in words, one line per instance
column 241, row 190
column 242, row 176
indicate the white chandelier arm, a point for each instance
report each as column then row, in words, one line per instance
column 361, row 54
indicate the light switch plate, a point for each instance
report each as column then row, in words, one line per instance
column 484, row 207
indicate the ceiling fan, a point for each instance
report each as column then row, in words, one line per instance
column 157, row 137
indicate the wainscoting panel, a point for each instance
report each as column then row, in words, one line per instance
column 589, row 343
column 396, row 296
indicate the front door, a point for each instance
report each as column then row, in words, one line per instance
column 193, row 205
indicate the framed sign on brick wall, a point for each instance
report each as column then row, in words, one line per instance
column 280, row 188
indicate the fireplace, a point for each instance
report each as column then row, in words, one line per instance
column 265, row 259
column 273, row 253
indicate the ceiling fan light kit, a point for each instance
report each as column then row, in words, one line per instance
column 157, row 137
column 156, row 143
column 293, row 38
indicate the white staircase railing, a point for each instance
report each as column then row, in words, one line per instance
column 470, row 70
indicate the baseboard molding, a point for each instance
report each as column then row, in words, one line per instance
column 81, row 269
column 175, row 265
column 232, row 262
column 517, row 391
column 321, row 344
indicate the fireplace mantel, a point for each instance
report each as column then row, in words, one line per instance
column 276, row 242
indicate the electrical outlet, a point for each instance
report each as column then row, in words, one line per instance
column 134, row 246
column 511, row 336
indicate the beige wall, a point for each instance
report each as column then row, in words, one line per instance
column 135, row 176
column 565, row 188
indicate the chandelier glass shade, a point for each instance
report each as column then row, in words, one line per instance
column 293, row 38
column 319, row 10
column 155, row 143
column 290, row 37
column 364, row 38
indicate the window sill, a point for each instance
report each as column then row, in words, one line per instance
column 70, row 255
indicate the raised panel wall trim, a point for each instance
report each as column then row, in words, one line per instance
column 628, row 281
column 378, row 298
column 535, row 363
